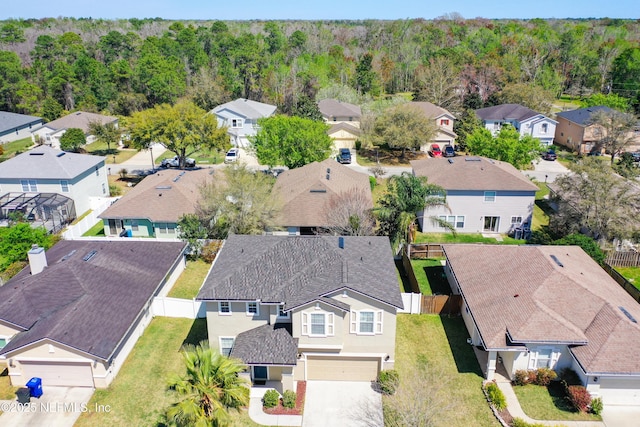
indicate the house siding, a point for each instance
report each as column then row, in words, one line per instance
column 19, row 132
column 231, row 325
column 472, row 206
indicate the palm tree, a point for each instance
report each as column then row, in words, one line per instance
column 208, row 390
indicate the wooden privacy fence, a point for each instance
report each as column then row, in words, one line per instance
column 628, row 286
column 425, row 250
column 411, row 275
column 623, row 258
column 441, row 304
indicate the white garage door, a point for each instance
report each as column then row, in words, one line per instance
column 342, row 368
column 620, row 391
column 65, row 374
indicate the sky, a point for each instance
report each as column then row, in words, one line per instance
column 318, row 10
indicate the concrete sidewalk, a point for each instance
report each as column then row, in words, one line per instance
column 257, row 414
column 144, row 157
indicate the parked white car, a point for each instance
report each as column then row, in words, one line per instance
column 232, row 155
column 175, row 162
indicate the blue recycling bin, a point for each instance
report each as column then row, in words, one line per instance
column 35, row 387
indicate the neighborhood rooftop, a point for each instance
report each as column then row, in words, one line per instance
column 472, row 173
column 47, row 163
column 249, row 109
column 79, row 120
column 582, row 116
column 553, row 294
column 9, row 121
column 335, row 108
column 506, row 112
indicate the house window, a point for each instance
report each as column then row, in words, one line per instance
column 134, row 225
column 166, row 228
column 491, row 224
column 224, row 308
column 236, row 123
column 350, row 119
column 444, row 122
column 335, row 119
column 104, row 189
column 455, row 221
column 226, row 345
column 3, row 342
column 544, row 128
column 489, row 196
column 252, row 309
column 317, row 324
column 459, row 221
column 64, row 186
column 97, row 171
column 281, row 313
column 29, row 185
column 516, row 220
column 366, row 322
column 543, row 359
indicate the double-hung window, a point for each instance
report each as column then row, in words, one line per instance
column 516, row 220
column 226, row 345
column 236, row 123
column 281, row 313
column 456, row 221
column 29, row 185
column 366, row 322
column 489, row 196
column 64, row 186
column 252, row 309
column 224, row 308
column 317, row 324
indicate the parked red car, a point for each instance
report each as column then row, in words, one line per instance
column 435, row 151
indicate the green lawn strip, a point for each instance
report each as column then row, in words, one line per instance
column 632, row 274
column 542, row 403
column 430, row 275
column 7, row 391
column 95, row 231
column 10, row 149
column 100, row 149
column 438, row 345
column 463, row 238
column 379, row 189
column 189, row 282
column 211, row 157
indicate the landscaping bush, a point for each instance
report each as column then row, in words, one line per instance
column 388, row 381
column 532, row 377
column 579, row 397
column 521, row 377
column 597, row 406
column 289, row 399
column 123, row 173
column 496, row 396
column 210, row 250
column 271, row 399
column 114, row 190
column 358, row 145
column 372, row 182
column 544, row 376
column 13, row 269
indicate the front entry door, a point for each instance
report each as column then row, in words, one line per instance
column 260, row 373
column 491, row 223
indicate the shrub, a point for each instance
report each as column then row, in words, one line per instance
column 521, row 377
column 388, row 381
column 123, row 173
column 377, row 171
column 532, row 377
column 544, row 376
column 597, row 406
column 114, row 190
column 496, row 396
column 358, row 145
column 372, row 182
column 271, row 399
column 289, row 399
column 13, row 269
column 579, row 397
column 210, row 250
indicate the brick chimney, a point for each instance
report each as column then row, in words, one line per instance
column 37, row 259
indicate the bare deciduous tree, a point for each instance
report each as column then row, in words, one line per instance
column 614, row 130
column 349, row 214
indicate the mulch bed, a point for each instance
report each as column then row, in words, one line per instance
column 301, row 389
column 506, row 416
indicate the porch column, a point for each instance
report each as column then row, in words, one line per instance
column 491, row 364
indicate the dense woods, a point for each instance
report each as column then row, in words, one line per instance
column 124, row 66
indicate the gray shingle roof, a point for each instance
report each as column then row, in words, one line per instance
column 334, row 108
column 472, row 173
column 431, row 110
column 296, row 270
column 80, row 120
column 10, row 121
column 266, row 345
column 582, row 116
column 522, row 291
column 47, row 163
column 87, row 305
column 506, row 112
column 247, row 108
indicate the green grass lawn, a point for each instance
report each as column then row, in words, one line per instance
column 214, row 157
column 632, row 274
column 7, row 391
column 379, row 189
column 541, row 209
column 434, row 350
column 368, row 157
column 139, row 396
column 430, row 275
column 12, row 148
column 463, row 238
column 542, row 403
column 95, row 231
column 189, row 282
column 100, row 149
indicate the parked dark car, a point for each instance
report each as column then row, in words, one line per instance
column 633, row 156
column 550, row 155
column 449, row 151
column 344, row 156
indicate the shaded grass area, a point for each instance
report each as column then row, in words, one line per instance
column 463, row 238
column 11, row 149
column 7, row 391
column 430, row 275
column 139, row 395
column 189, row 282
column 95, row 231
column 403, row 279
column 100, row 149
column 549, row 403
column 387, row 157
column 436, row 347
column 541, row 210
column 632, row 274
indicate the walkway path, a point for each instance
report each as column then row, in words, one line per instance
column 257, row 414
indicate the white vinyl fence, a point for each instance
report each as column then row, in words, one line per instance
column 178, row 307
column 77, row 230
column 412, row 303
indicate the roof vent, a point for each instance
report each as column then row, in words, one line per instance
column 557, row 261
column 78, row 113
column 36, row 154
column 626, row 313
column 67, row 256
column 178, row 177
column 328, row 170
column 328, row 177
column 61, row 154
column 163, row 187
column 450, row 161
column 319, row 190
column 341, row 242
column 472, row 159
column 90, row 255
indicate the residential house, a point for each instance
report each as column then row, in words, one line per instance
column 482, row 195
column 153, row 207
column 306, row 192
column 444, row 125
column 73, row 316
column 344, row 119
column 576, row 131
column 296, row 308
column 42, row 172
column 15, row 126
column 529, row 307
column 523, row 119
column 50, row 133
column 241, row 118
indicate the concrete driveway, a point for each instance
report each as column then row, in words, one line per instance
column 57, row 407
column 546, row 170
column 620, row 416
column 341, row 403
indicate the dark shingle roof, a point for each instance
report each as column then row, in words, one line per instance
column 334, row 108
column 296, row 270
column 10, row 121
column 47, row 163
column 506, row 112
column 266, row 345
column 582, row 116
column 87, row 305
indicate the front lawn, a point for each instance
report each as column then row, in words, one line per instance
column 212, row 157
column 430, row 275
column 542, row 403
column 433, row 351
column 11, row 149
column 541, row 209
column 100, row 149
column 189, row 282
column 95, row 231
column 632, row 274
column 7, row 391
column 463, row 238
column 139, row 396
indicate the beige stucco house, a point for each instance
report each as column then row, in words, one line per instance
column 344, row 121
column 72, row 316
column 296, row 308
column 444, row 125
column 50, row 133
